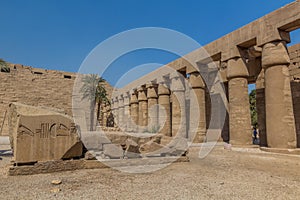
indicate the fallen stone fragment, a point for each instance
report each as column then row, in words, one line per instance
column 152, row 148
column 56, row 182
column 55, row 190
column 41, row 134
column 113, row 151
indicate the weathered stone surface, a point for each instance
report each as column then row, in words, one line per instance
column 197, row 118
column 132, row 149
column 166, row 146
column 117, row 137
column 164, row 110
column 113, row 151
column 89, row 156
column 280, row 122
column 56, row 182
column 153, row 148
column 132, row 146
column 275, row 53
column 94, row 140
column 55, row 190
column 71, row 165
column 237, row 68
column 37, row 87
column 37, row 134
column 239, row 117
column 134, row 112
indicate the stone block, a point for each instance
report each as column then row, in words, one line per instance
column 94, row 140
column 37, row 134
column 113, row 151
column 152, row 148
column 293, row 55
column 132, row 149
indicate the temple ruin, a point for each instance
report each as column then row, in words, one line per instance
column 256, row 53
column 182, row 99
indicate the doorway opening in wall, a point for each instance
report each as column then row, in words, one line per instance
column 252, row 101
column 253, row 113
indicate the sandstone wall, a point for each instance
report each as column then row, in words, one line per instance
column 35, row 87
column 294, row 52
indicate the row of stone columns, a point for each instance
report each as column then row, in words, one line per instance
column 156, row 108
column 138, row 110
column 275, row 108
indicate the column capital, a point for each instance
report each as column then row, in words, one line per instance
column 275, row 53
column 162, row 90
column 120, row 98
column 177, row 82
column 196, row 80
column 151, row 85
column 151, row 91
column 121, row 101
column 236, row 67
column 142, row 93
column 115, row 99
column 133, row 97
column 126, row 98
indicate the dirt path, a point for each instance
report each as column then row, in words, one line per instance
column 221, row 175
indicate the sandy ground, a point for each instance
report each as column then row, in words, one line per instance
column 223, row 174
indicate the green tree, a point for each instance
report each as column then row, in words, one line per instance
column 93, row 89
column 252, row 101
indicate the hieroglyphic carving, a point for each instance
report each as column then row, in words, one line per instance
column 44, row 131
column 62, row 130
column 56, row 129
column 23, row 130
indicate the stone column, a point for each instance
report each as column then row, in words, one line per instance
column 116, row 111
column 280, row 122
column 152, row 107
column 261, row 108
column 126, row 116
column 104, row 117
column 121, row 113
column 143, row 109
column 178, row 105
column 134, row 112
column 239, row 109
column 197, row 104
column 164, row 111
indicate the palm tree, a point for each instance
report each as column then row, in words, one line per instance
column 3, row 66
column 93, row 89
column 2, row 62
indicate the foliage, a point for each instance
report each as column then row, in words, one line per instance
column 253, row 111
column 3, row 66
column 94, row 90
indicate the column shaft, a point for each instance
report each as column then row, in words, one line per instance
column 134, row 112
column 239, row 116
column 164, row 110
column 239, row 107
column 178, row 105
column 126, row 117
column 152, row 108
column 280, row 122
column 197, row 107
column 143, row 110
column 121, row 114
column 104, row 119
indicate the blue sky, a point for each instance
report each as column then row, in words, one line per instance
column 59, row 34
